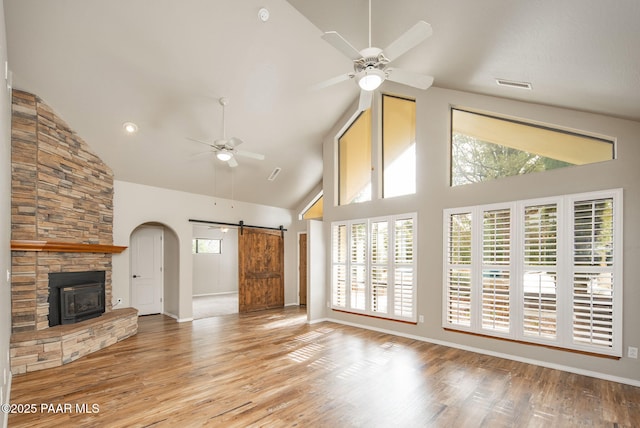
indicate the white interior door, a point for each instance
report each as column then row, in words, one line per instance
column 146, row 270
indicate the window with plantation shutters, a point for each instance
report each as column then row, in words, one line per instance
column 458, row 269
column 593, row 272
column 540, row 246
column 374, row 264
column 339, row 265
column 403, row 269
column 379, row 266
column 357, row 266
column 496, row 275
column 544, row 271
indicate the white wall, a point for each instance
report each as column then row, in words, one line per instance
column 434, row 195
column 5, row 225
column 216, row 273
column 316, row 268
column 136, row 204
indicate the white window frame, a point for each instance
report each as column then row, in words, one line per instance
column 564, row 267
column 391, row 267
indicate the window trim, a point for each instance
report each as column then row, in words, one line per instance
column 565, row 267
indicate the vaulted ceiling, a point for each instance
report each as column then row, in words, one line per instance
column 164, row 64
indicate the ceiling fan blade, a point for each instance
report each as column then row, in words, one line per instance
column 232, row 162
column 332, row 81
column 338, row 42
column 365, row 100
column 234, row 142
column 200, row 154
column 409, row 78
column 410, row 39
column 201, row 142
column 251, row 155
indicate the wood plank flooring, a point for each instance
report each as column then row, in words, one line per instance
column 271, row 369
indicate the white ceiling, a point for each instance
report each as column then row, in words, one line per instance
column 164, row 64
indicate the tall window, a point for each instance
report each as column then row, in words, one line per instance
column 545, row 271
column 354, row 159
column 484, row 147
column 374, row 266
column 398, row 146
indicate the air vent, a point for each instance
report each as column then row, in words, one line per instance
column 274, row 174
column 514, row 84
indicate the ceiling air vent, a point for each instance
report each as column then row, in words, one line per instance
column 274, row 174
column 514, row 84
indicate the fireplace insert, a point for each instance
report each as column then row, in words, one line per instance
column 76, row 296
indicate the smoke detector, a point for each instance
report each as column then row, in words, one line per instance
column 263, row 14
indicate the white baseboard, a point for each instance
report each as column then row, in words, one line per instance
column 561, row 367
column 311, row 322
column 7, row 401
column 215, row 294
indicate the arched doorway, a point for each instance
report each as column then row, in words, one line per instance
column 154, row 269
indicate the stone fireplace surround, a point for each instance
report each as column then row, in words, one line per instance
column 62, row 221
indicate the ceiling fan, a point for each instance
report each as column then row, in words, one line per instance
column 370, row 65
column 226, row 148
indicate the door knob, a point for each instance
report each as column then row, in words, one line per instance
column 135, row 276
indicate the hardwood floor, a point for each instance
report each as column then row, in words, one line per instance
column 272, row 369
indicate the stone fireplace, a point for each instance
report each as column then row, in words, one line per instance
column 61, row 223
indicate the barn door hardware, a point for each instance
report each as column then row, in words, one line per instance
column 241, row 225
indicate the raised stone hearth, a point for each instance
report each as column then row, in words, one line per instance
column 62, row 344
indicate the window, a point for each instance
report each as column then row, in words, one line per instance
column 207, row 246
column 545, row 271
column 315, row 211
column 374, row 268
column 398, row 146
column 354, row 159
column 484, row 147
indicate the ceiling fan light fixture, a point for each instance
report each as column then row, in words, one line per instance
column 370, row 78
column 224, row 155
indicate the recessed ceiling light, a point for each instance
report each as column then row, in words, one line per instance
column 513, row 84
column 130, row 127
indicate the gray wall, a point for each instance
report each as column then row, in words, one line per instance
column 5, row 225
column 434, row 194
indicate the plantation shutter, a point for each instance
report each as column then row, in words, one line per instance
column 339, row 265
column 593, row 262
column 404, row 268
column 379, row 266
column 496, row 259
column 358, row 266
column 540, row 241
column 458, row 271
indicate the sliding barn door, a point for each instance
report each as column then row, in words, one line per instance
column 261, row 265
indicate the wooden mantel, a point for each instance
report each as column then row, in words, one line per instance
column 64, row 247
